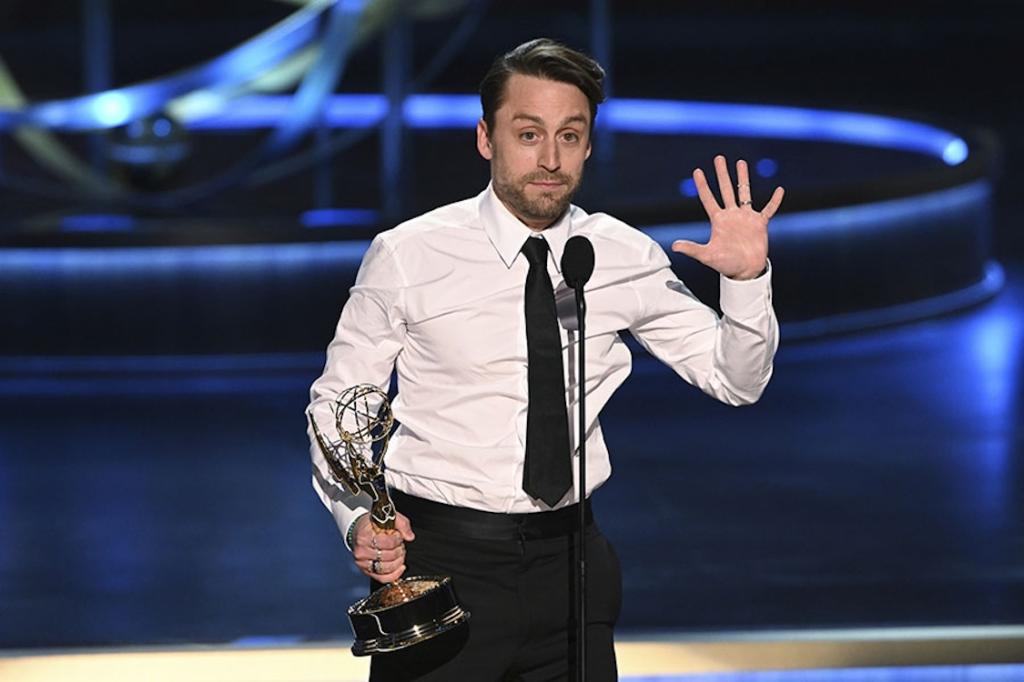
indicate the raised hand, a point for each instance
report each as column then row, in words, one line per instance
column 738, row 247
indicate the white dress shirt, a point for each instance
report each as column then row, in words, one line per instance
column 440, row 300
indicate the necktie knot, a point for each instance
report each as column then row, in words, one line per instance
column 536, row 251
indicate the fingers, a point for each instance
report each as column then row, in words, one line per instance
column 384, row 565
column 389, row 577
column 691, row 249
column 375, row 569
column 381, row 545
column 711, row 206
column 773, row 204
column 729, row 198
column 743, row 183
column 404, row 528
column 371, row 536
column 383, row 540
column 362, row 553
column 724, row 182
column 380, row 554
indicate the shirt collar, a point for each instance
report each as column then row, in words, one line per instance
column 508, row 234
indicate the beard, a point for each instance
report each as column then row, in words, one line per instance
column 547, row 206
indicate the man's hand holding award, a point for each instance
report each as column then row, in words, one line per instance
column 412, row 609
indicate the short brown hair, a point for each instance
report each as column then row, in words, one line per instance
column 542, row 58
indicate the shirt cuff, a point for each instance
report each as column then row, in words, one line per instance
column 345, row 517
column 743, row 299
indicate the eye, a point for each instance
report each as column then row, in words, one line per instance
column 571, row 136
column 528, row 136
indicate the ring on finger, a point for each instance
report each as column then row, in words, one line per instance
column 375, row 566
column 378, row 555
column 746, row 202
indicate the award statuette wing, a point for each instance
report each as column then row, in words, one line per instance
column 414, row 608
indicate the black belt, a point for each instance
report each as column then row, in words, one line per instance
column 483, row 525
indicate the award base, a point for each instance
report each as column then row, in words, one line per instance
column 404, row 613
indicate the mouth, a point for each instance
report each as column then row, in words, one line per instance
column 547, row 184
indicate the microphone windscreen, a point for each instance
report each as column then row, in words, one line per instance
column 577, row 261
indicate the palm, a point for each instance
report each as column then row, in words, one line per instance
column 738, row 247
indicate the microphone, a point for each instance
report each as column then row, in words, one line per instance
column 577, row 262
column 577, row 267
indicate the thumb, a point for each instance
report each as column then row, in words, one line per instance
column 688, row 248
column 404, row 528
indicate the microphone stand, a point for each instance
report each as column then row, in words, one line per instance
column 577, row 267
column 581, row 578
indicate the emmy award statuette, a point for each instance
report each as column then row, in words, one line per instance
column 414, row 608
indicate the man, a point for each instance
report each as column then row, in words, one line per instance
column 463, row 303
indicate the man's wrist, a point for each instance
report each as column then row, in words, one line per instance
column 350, row 534
column 748, row 277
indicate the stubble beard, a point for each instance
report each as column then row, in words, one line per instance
column 549, row 206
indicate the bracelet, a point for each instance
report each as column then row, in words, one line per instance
column 350, row 539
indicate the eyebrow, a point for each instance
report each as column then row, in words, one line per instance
column 575, row 118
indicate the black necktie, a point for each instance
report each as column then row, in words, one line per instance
column 547, row 474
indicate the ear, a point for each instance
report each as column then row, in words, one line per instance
column 589, row 149
column 483, row 141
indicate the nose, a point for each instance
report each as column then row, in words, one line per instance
column 549, row 156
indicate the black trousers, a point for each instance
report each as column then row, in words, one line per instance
column 521, row 595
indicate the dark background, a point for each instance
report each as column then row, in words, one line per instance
column 146, row 500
